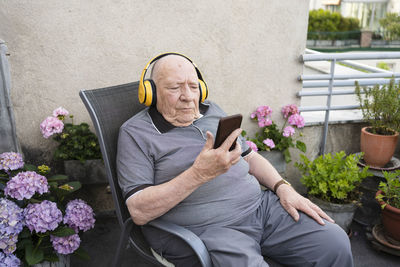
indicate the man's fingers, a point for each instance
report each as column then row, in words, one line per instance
column 230, row 139
column 313, row 214
column 293, row 212
column 209, row 142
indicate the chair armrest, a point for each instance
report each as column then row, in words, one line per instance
column 189, row 237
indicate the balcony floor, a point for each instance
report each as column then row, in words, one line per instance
column 101, row 244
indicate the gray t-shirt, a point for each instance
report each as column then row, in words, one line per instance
column 151, row 151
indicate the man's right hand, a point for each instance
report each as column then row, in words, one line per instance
column 213, row 162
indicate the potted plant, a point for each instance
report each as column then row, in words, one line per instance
column 78, row 147
column 388, row 197
column 380, row 107
column 272, row 141
column 332, row 182
column 39, row 222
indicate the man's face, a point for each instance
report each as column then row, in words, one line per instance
column 177, row 90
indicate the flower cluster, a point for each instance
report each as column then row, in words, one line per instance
column 11, row 217
column 25, row 185
column 79, row 215
column 76, row 141
column 11, row 161
column 42, row 217
column 31, row 212
column 273, row 138
column 65, row 244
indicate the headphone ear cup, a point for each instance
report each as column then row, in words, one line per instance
column 150, row 95
column 203, row 90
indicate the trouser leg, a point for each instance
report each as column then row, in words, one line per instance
column 302, row 243
column 171, row 247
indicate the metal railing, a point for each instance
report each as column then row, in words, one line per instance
column 332, row 80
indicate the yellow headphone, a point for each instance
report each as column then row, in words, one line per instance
column 147, row 88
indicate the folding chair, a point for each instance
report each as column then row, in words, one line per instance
column 109, row 108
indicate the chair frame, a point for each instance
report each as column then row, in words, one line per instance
column 125, row 221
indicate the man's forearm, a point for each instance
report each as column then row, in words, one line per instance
column 155, row 201
column 265, row 173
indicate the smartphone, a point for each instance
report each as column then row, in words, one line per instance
column 226, row 126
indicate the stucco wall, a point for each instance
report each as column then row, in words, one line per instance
column 247, row 50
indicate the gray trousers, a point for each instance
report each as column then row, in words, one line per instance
column 269, row 231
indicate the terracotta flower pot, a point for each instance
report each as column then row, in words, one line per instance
column 390, row 220
column 378, row 149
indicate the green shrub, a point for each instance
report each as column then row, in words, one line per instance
column 326, row 25
column 333, row 178
column 391, row 26
column 380, row 105
column 390, row 189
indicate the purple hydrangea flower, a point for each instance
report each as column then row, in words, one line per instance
column 11, row 161
column 60, row 112
column 42, row 217
column 65, row 244
column 79, row 215
column 252, row 145
column 269, row 142
column 297, row 120
column 51, row 126
column 25, row 185
column 9, row 260
column 289, row 110
column 11, row 218
column 8, row 243
column 288, row 131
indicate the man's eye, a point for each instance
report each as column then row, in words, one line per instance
column 174, row 88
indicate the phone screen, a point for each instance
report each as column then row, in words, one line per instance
column 226, row 126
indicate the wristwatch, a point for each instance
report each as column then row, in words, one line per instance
column 280, row 182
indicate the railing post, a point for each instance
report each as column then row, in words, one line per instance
column 328, row 105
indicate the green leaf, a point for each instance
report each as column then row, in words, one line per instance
column 301, row 146
column 52, row 257
column 33, row 256
column 63, row 231
column 30, row 167
column 81, row 253
column 57, row 177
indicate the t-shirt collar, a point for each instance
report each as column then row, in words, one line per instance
column 162, row 124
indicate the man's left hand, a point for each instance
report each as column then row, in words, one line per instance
column 292, row 201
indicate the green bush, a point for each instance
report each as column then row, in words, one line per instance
column 391, row 26
column 326, row 25
column 77, row 142
column 333, row 178
column 390, row 189
column 380, row 107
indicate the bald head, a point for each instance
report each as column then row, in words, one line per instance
column 178, row 90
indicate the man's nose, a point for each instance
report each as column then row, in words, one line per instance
column 187, row 93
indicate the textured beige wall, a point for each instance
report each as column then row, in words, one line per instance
column 247, row 50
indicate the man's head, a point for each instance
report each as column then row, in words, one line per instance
column 177, row 89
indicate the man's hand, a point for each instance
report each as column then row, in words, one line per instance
column 292, row 201
column 213, row 162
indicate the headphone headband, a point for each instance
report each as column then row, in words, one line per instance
column 147, row 88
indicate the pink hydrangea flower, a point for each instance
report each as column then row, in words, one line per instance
column 269, row 142
column 66, row 244
column 60, row 112
column 51, row 126
column 11, row 161
column 289, row 110
column 25, row 185
column 79, row 215
column 297, row 120
column 252, row 145
column 288, row 131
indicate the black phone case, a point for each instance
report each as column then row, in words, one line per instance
column 226, row 126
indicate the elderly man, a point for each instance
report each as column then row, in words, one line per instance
column 168, row 168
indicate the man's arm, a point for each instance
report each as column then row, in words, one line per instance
column 155, row 201
column 290, row 200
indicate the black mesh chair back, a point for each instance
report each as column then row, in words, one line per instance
column 109, row 108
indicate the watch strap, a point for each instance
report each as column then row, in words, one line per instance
column 279, row 183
